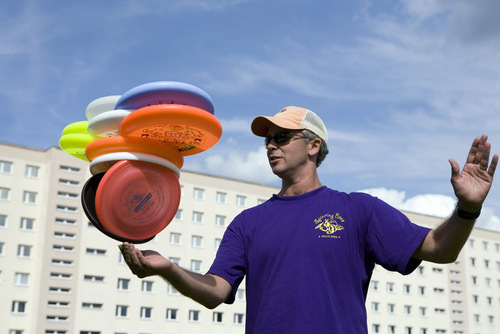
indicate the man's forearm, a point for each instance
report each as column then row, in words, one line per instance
column 208, row 290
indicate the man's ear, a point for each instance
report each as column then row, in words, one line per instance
column 314, row 146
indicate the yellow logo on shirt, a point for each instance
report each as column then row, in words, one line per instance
column 329, row 224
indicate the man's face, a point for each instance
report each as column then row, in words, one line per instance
column 287, row 152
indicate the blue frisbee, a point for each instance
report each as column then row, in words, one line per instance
column 165, row 92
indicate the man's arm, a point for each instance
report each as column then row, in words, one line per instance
column 471, row 186
column 208, row 290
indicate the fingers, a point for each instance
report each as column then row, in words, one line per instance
column 455, row 168
column 479, row 155
column 132, row 257
column 493, row 165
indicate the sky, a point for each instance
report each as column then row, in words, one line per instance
column 401, row 85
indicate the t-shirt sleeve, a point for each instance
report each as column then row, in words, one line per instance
column 230, row 261
column 392, row 238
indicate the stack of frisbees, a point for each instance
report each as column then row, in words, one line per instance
column 136, row 144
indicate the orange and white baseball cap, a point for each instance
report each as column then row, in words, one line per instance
column 291, row 118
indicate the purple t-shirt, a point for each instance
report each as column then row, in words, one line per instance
column 308, row 259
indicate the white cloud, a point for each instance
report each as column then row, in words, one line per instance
column 431, row 204
column 250, row 166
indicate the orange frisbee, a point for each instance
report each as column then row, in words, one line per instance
column 190, row 129
column 137, row 199
column 108, row 145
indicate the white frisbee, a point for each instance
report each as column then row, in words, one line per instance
column 104, row 162
column 107, row 124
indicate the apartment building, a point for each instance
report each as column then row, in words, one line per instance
column 59, row 274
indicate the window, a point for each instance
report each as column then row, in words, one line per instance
column 217, row 242
column 123, row 284
column 240, row 295
column 406, row 288
column 24, row 251
column 376, row 328
column 3, row 221
column 171, row 314
column 390, row 287
column 69, row 169
column 374, row 285
column 375, row 307
column 175, row 238
column 95, row 251
column 196, row 266
column 4, row 194
column 121, row 311
column 241, row 200
column 62, row 248
column 26, row 224
column 64, row 235
column 472, row 261
column 60, row 262
column 178, row 214
column 217, row 317
column 71, row 183
column 198, row 193
column 65, row 221
column 64, row 194
column 60, row 275
column 21, row 279
column 221, row 197
column 196, row 241
column 421, row 290
column 53, row 303
column 422, row 311
column 32, row 171
column 171, row 290
column 66, row 208
column 147, row 286
column 174, row 260
column 407, row 309
column 220, row 220
column 1, row 248
column 5, row 167
column 197, row 217
column 93, row 278
column 57, row 318
column 146, row 313
column 59, row 290
column 18, row 307
column 390, row 308
column 30, row 197
column 94, row 306
column 194, row 316
column 239, row 318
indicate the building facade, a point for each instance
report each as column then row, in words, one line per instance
column 60, row 275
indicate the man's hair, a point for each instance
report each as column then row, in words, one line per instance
column 323, row 150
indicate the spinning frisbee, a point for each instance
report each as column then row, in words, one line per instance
column 88, row 203
column 165, row 92
column 107, row 124
column 100, row 105
column 190, row 129
column 137, row 199
column 115, row 144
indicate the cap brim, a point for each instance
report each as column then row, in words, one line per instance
column 260, row 125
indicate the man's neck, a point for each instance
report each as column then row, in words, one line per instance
column 300, row 186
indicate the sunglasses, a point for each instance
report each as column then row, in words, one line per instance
column 282, row 137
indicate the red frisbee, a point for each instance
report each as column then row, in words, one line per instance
column 190, row 129
column 137, row 199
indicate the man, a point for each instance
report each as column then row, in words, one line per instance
column 309, row 251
